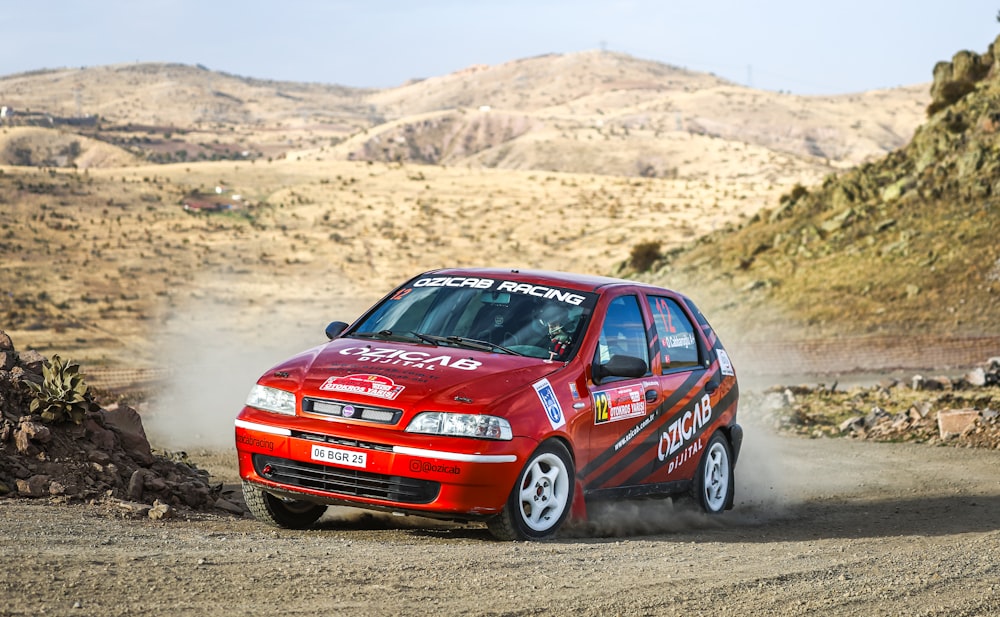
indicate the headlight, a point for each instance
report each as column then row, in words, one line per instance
column 272, row 399
column 461, row 425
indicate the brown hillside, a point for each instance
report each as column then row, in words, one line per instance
column 43, row 147
column 99, row 264
column 160, row 94
column 596, row 102
column 174, row 112
column 906, row 245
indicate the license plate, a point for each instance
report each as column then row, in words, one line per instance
column 339, row 457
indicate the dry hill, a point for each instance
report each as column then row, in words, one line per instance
column 903, row 246
column 588, row 112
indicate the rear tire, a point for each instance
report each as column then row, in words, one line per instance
column 713, row 482
column 540, row 500
column 287, row 513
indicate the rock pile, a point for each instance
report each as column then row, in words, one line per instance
column 937, row 410
column 106, row 458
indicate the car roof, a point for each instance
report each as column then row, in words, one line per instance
column 579, row 282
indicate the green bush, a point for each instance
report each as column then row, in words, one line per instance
column 798, row 192
column 63, row 395
column 644, row 255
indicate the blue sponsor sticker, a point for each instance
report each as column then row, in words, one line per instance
column 553, row 411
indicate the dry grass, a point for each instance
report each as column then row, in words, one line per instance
column 96, row 262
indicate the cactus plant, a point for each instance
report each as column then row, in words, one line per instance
column 62, row 395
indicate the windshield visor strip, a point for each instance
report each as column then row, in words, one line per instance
column 455, row 456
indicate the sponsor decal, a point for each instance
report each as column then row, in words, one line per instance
column 419, row 466
column 684, row 456
column 263, row 444
column 724, row 364
column 553, row 411
column 409, row 358
column 539, row 291
column 681, row 431
column 635, row 430
column 619, row 404
column 682, row 339
column 455, row 281
column 376, row 386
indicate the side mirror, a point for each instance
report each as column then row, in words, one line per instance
column 334, row 329
column 620, row 366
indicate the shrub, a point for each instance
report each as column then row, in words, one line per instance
column 63, row 395
column 798, row 192
column 644, row 255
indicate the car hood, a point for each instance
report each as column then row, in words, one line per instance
column 405, row 375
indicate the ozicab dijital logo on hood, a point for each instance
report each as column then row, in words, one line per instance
column 410, row 359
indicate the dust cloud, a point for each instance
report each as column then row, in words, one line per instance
column 771, row 477
column 216, row 346
column 771, row 481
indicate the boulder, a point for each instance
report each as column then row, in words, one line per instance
column 101, row 437
column 136, row 484
column 160, row 510
column 35, row 486
column 31, row 361
column 976, row 377
column 35, row 431
column 126, row 422
column 953, row 422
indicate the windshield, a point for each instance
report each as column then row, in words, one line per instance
column 481, row 313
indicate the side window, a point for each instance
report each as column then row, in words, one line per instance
column 623, row 331
column 678, row 344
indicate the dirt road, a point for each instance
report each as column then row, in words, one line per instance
column 821, row 527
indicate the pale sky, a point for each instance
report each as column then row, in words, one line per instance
column 799, row 46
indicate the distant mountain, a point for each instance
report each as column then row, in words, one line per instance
column 592, row 112
column 603, row 112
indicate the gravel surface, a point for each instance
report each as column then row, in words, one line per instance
column 826, row 526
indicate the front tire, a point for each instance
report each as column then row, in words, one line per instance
column 713, row 482
column 540, row 500
column 287, row 513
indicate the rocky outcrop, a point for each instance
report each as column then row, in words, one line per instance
column 961, row 411
column 104, row 458
column 953, row 80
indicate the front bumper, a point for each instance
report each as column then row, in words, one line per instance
column 376, row 468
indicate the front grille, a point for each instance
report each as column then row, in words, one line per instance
column 342, row 441
column 355, row 411
column 346, row 481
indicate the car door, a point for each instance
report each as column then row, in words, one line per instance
column 622, row 405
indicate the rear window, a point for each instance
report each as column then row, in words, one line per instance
column 678, row 343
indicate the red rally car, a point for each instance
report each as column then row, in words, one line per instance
column 507, row 396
